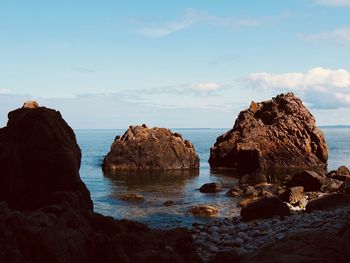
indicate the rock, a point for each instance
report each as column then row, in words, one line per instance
column 210, row 188
column 342, row 174
column 279, row 133
column 308, row 246
column 249, row 191
column 248, row 200
column 132, row 198
column 328, row 202
column 292, row 195
column 234, row 192
column 204, row 210
column 40, row 161
column 310, row 180
column 332, row 185
column 31, row 104
column 143, row 148
column 265, row 208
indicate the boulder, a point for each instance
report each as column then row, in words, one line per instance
column 279, row 133
column 210, row 188
column 292, row 195
column 328, row 202
column 264, row 208
column 342, row 174
column 204, row 210
column 331, row 185
column 143, row 148
column 40, row 161
column 310, row 180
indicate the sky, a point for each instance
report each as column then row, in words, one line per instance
column 176, row 64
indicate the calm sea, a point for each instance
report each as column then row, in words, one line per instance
column 182, row 190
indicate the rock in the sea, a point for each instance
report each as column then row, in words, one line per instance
column 143, row 148
column 292, row 195
column 132, row 198
column 210, row 188
column 310, row 180
column 342, row 174
column 329, row 202
column 279, row 133
column 265, row 208
column 204, row 210
column 40, row 161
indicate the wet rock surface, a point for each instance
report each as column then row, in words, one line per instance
column 46, row 213
column 279, row 133
column 143, row 148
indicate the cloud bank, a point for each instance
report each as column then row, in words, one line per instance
column 339, row 35
column 319, row 87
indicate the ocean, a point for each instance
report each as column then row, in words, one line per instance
column 180, row 189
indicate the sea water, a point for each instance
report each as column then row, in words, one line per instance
column 182, row 190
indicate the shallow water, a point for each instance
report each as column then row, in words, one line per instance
column 182, row 189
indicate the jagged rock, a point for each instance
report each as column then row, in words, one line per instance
column 292, row 195
column 204, row 210
column 143, row 148
column 210, row 188
column 328, row 202
column 264, row 208
column 342, row 173
column 40, row 161
column 311, row 181
column 279, row 133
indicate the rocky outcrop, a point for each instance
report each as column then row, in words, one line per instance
column 45, row 209
column 40, row 161
column 143, row 148
column 279, row 133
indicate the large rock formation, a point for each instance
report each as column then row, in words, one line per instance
column 45, row 209
column 143, row 148
column 279, row 133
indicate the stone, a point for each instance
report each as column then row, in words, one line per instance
column 234, row 191
column 132, row 198
column 310, row 180
column 342, row 173
column 142, row 148
column 248, row 200
column 210, row 188
column 204, row 210
column 292, row 195
column 279, row 133
column 332, row 185
column 264, row 208
column 328, row 202
column 30, row 104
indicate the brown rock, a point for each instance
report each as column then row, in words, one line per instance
column 143, row 148
column 278, row 133
column 332, row 185
column 265, row 208
column 342, row 174
column 204, row 210
column 310, row 180
column 328, row 202
column 210, row 188
column 30, row 104
column 292, row 195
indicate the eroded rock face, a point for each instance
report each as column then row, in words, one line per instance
column 143, row 148
column 40, row 161
column 278, row 133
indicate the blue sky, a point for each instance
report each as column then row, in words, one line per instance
column 109, row 64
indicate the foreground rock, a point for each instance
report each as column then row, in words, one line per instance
column 143, row 148
column 310, row 180
column 279, row 133
column 45, row 209
column 266, row 207
column 204, row 210
column 210, row 188
column 329, row 202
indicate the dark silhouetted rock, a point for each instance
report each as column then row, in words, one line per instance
column 265, row 208
column 40, row 161
column 210, row 188
column 328, row 202
column 143, row 148
column 279, row 133
column 292, row 195
column 311, row 181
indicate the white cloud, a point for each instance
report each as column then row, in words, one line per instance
column 319, row 87
column 339, row 35
column 192, row 17
column 337, row 3
column 4, row 91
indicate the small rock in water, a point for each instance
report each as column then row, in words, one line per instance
column 132, row 198
column 204, row 210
